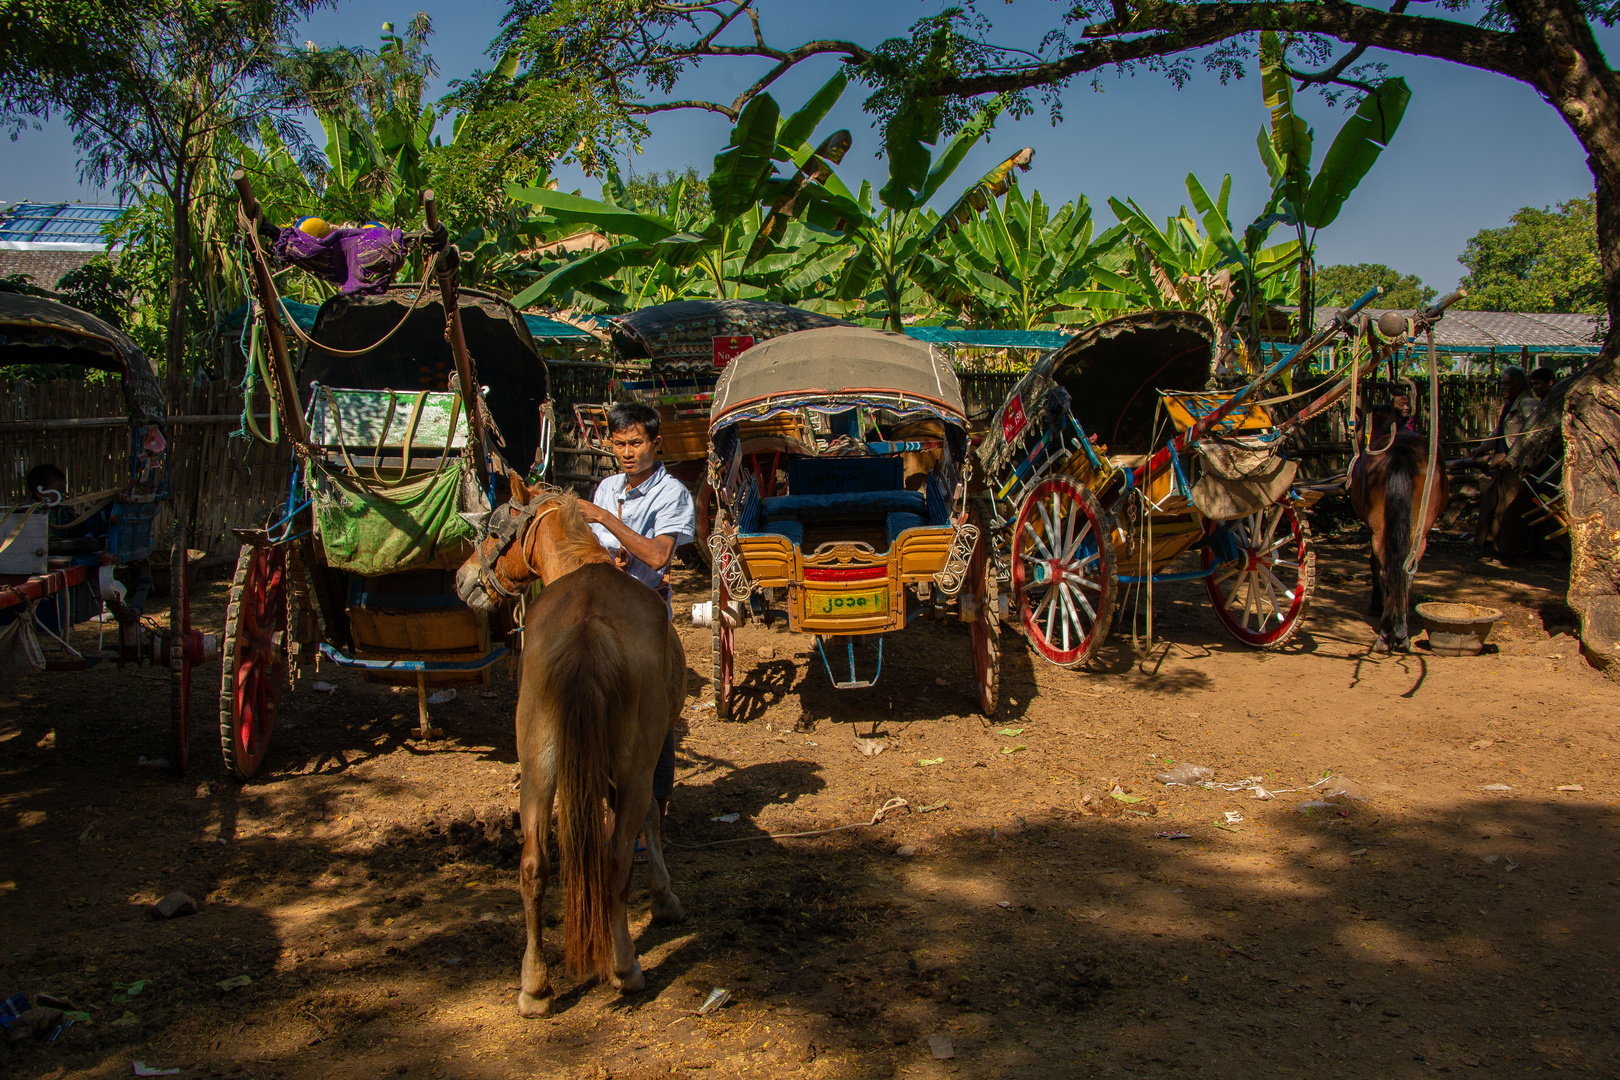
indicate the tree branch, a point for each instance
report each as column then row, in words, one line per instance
column 1177, row 28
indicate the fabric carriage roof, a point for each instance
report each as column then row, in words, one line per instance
column 1483, row 331
column 34, row 330
column 839, row 361
column 684, row 325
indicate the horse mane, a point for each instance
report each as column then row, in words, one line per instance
column 578, row 543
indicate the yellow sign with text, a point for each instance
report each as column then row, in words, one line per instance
column 868, row 602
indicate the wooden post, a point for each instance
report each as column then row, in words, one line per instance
column 292, row 419
column 465, row 373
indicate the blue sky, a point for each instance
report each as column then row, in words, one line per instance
column 1474, row 146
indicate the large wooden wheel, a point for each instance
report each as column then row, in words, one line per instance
column 720, row 646
column 185, row 649
column 254, row 665
column 1063, row 571
column 1261, row 594
column 986, row 626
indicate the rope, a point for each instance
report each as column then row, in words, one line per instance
column 895, row 803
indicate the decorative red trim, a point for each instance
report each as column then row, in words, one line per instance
column 846, row 573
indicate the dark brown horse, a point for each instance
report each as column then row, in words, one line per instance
column 1387, row 486
column 604, row 678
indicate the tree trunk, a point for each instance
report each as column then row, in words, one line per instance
column 174, row 351
column 1592, row 466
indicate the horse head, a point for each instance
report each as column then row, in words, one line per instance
column 536, row 535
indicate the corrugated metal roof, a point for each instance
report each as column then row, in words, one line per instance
column 56, row 226
column 1484, row 330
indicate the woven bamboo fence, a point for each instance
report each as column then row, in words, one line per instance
column 83, row 428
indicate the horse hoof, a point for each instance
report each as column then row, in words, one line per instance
column 531, row 1007
column 669, row 911
column 631, row 982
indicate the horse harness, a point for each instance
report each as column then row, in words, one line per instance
column 507, row 529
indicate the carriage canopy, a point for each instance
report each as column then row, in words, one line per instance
column 836, row 368
column 34, row 330
column 417, row 357
column 1111, row 374
column 686, row 329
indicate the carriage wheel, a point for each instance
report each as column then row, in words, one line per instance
column 1261, row 596
column 1063, row 571
column 720, row 646
column 185, row 649
column 986, row 626
column 703, row 500
column 254, row 667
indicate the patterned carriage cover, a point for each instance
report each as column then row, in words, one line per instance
column 685, row 330
column 1110, row 376
column 34, row 330
column 417, row 357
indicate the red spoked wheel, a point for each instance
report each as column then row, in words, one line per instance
column 255, row 661
column 720, row 646
column 1261, row 595
column 1063, row 571
column 986, row 625
column 185, row 650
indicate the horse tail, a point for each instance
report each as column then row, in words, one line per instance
column 582, row 691
column 1400, row 485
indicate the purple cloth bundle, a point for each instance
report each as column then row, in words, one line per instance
column 355, row 260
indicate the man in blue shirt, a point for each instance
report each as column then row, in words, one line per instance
column 642, row 515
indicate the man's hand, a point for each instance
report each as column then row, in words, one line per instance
column 595, row 515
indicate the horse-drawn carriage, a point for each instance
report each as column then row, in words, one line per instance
column 1112, row 459
column 670, row 356
column 870, row 530
column 65, row 558
column 394, row 439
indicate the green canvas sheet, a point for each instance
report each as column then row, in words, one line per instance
column 370, row 530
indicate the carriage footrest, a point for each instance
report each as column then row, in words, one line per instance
column 854, row 682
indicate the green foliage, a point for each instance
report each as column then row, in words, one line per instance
column 1022, row 266
column 1340, row 286
column 672, row 194
column 1544, row 260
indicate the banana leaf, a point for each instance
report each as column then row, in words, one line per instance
column 575, row 209
column 1290, row 135
column 798, row 128
column 741, row 168
column 1355, row 148
column 992, row 185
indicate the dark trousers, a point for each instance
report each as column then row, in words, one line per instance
column 664, row 771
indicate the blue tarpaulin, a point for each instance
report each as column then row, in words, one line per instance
column 545, row 329
column 989, row 339
column 302, row 314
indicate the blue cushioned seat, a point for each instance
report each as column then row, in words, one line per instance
column 793, row 530
column 846, row 504
column 896, row 524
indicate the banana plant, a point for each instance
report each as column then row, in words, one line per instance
column 1312, row 202
column 1022, row 266
column 891, row 243
column 734, row 235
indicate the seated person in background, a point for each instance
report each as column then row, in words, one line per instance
column 1541, row 382
column 1518, row 406
column 1402, row 404
column 46, row 483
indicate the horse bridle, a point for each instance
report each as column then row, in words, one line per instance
column 512, row 527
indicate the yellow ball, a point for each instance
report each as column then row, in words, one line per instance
column 312, row 225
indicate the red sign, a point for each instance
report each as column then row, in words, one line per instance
column 727, row 349
column 1012, row 420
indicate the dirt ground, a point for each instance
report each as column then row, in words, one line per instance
column 366, row 883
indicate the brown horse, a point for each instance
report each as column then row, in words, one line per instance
column 604, row 678
column 1387, row 486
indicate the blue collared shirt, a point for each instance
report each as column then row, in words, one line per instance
column 658, row 506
